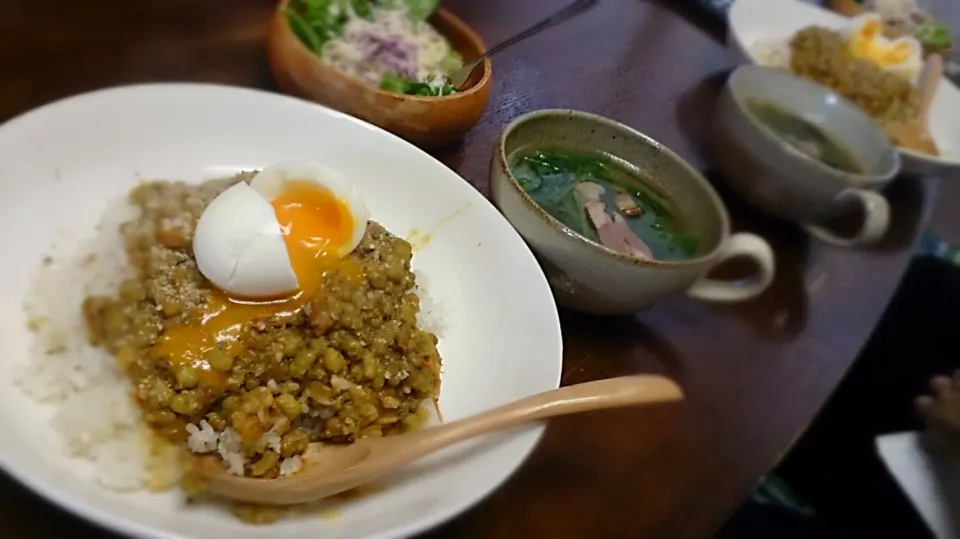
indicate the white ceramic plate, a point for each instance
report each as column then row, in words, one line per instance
column 755, row 23
column 64, row 162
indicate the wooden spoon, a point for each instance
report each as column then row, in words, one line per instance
column 914, row 134
column 331, row 469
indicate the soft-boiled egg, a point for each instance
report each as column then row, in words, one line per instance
column 266, row 247
column 279, row 234
column 902, row 56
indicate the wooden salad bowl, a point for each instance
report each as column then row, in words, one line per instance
column 427, row 122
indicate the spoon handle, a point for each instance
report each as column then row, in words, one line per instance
column 590, row 396
column 929, row 81
column 558, row 17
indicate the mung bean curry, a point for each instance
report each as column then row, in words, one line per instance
column 349, row 363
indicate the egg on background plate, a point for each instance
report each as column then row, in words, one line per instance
column 902, row 56
column 278, row 234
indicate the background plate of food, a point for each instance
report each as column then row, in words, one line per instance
column 858, row 62
column 159, row 302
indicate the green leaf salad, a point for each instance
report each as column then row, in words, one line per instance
column 386, row 43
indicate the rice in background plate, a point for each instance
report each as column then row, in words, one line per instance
column 772, row 53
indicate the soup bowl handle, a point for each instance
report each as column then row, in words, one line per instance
column 743, row 244
column 876, row 212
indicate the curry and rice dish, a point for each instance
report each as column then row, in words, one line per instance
column 860, row 63
column 348, row 364
column 823, row 56
column 259, row 314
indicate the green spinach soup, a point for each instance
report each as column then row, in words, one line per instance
column 603, row 201
column 804, row 136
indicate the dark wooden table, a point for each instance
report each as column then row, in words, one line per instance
column 755, row 374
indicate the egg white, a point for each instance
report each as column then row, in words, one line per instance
column 239, row 247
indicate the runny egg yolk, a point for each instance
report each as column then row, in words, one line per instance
column 868, row 43
column 317, row 229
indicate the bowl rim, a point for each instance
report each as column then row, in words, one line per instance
column 740, row 15
column 448, row 16
column 757, row 70
column 642, row 138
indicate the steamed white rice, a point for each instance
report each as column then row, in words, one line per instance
column 430, row 317
column 96, row 418
column 772, row 52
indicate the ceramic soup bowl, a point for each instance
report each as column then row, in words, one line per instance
column 786, row 182
column 590, row 277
